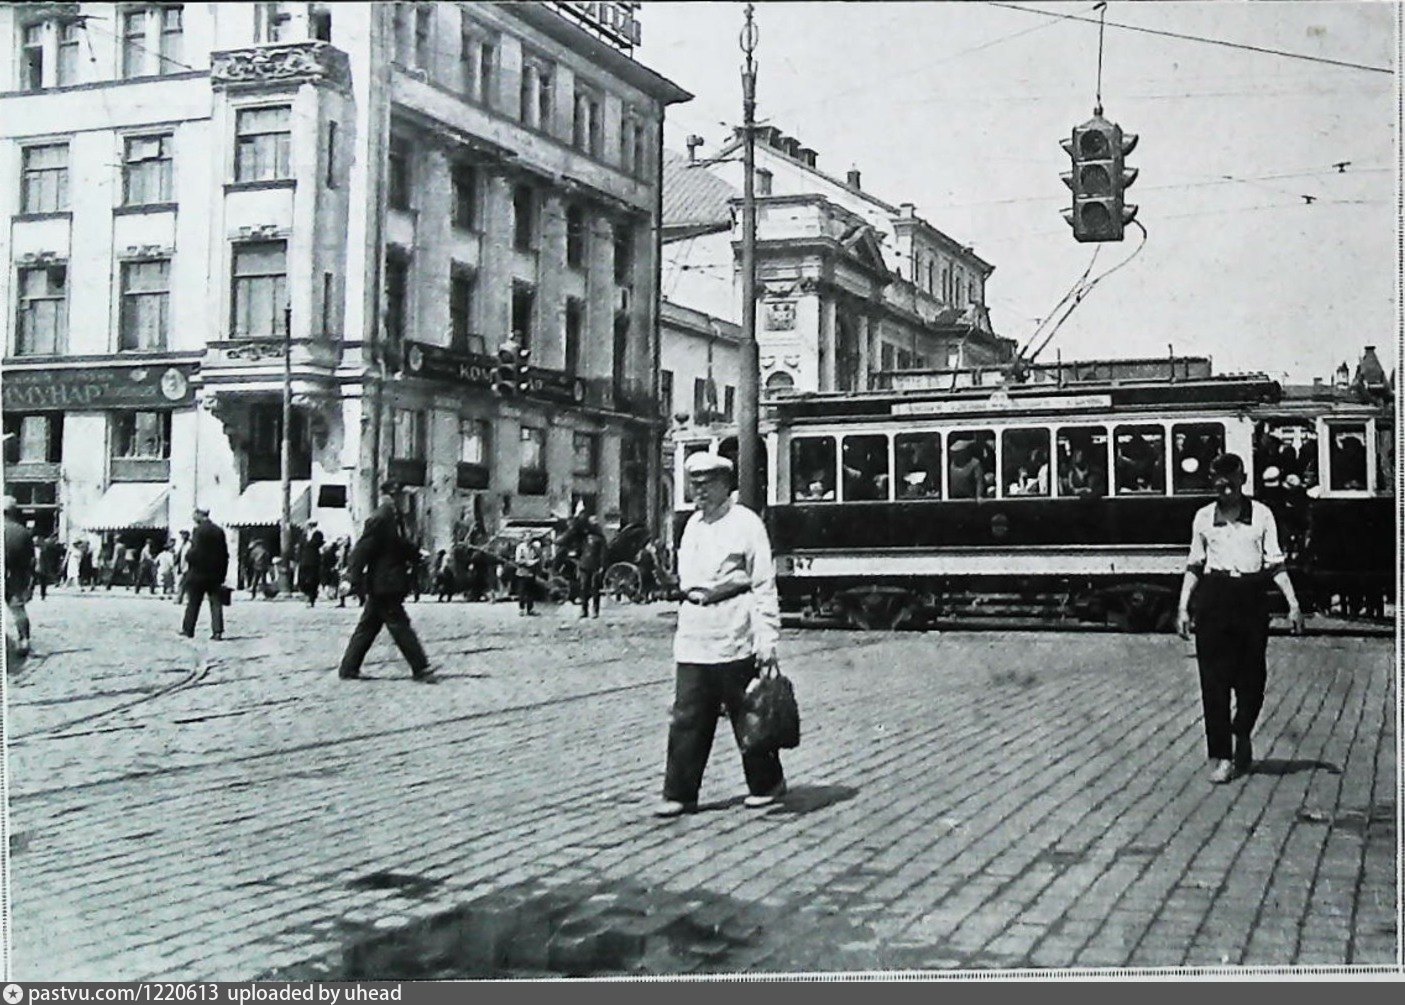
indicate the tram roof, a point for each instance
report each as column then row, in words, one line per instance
column 1224, row 391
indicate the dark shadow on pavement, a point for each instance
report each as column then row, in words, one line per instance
column 1278, row 766
column 809, row 798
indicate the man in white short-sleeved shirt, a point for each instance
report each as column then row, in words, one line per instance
column 1234, row 552
column 728, row 624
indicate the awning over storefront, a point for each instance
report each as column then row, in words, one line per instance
column 261, row 505
column 132, row 506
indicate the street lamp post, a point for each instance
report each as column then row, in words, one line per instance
column 285, row 472
column 748, row 380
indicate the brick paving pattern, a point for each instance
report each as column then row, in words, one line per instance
column 197, row 810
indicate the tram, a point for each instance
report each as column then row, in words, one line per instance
column 1068, row 503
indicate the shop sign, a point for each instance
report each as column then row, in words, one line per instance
column 158, row 386
column 439, row 363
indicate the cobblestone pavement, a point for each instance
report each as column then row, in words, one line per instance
column 197, row 810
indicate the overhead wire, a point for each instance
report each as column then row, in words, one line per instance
column 1265, row 50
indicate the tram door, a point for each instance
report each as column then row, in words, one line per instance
column 729, row 448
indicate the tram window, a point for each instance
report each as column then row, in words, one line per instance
column 971, row 464
column 1082, row 461
column 1193, row 446
column 1141, row 460
column 1348, row 459
column 1385, row 457
column 1285, row 456
column 812, row 469
column 866, row 474
column 688, row 451
column 919, row 461
column 1024, row 459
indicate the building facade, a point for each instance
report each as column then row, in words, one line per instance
column 851, row 287
column 362, row 200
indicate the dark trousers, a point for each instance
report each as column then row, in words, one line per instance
column 390, row 612
column 196, row 593
column 700, row 690
column 1231, row 636
column 588, row 584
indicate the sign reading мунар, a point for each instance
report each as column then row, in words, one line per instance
column 164, row 385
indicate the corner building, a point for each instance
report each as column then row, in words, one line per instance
column 387, row 190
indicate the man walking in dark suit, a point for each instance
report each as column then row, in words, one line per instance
column 207, row 563
column 380, row 568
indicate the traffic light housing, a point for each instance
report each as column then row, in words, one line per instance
column 1099, row 180
column 523, row 369
column 505, row 373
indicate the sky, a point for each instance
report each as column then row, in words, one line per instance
column 1260, row 252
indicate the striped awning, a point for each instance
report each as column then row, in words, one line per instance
column 261, row 505
column 132, row 506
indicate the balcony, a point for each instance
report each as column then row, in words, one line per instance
column 294, row 63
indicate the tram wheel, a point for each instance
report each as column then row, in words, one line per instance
column 878, row 610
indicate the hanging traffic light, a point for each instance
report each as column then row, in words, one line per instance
column 505, row 373
column 1099, row 180
column 524, row 369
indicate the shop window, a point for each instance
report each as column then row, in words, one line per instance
column 1140, row 460
column 586, row 448
column 33, row 439
column 44, row 184
column 147, row 170
column 43, row 311
column 263, row 143
column 1024, row 462
column 1193, row 446
column 531, row 472
column 812, row 475
column 146, row 305
column 971, row 464
column 1082, row 461
column 1285, row 456
column 407, row 439
column 141, row 436
column 918, row 459
column 866, row 475
column 1347, row 458
column 475, row 445
column 260, row 289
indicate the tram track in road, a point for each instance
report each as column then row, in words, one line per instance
column 380, row 734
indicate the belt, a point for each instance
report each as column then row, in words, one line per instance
column 1232, row 574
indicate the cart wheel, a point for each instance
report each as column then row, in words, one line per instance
column 622, row 582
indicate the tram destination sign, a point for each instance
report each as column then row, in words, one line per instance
column 999, row 402
column 75, row 389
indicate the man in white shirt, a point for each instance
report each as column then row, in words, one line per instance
column 1234, row 551
column 728, row 625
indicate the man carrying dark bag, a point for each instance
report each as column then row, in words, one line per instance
column 728, row 625
column 380, row 568
column 207, row 563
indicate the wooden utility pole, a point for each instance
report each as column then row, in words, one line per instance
column 749, row 379
column 285, row 460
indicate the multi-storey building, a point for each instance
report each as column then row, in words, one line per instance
column 387, row 190
column 850, row 288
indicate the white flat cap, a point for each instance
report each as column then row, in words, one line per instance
column 706, row 464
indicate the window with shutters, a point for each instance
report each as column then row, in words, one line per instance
column 263, row 143
column 144, row 321
column 147, row 170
